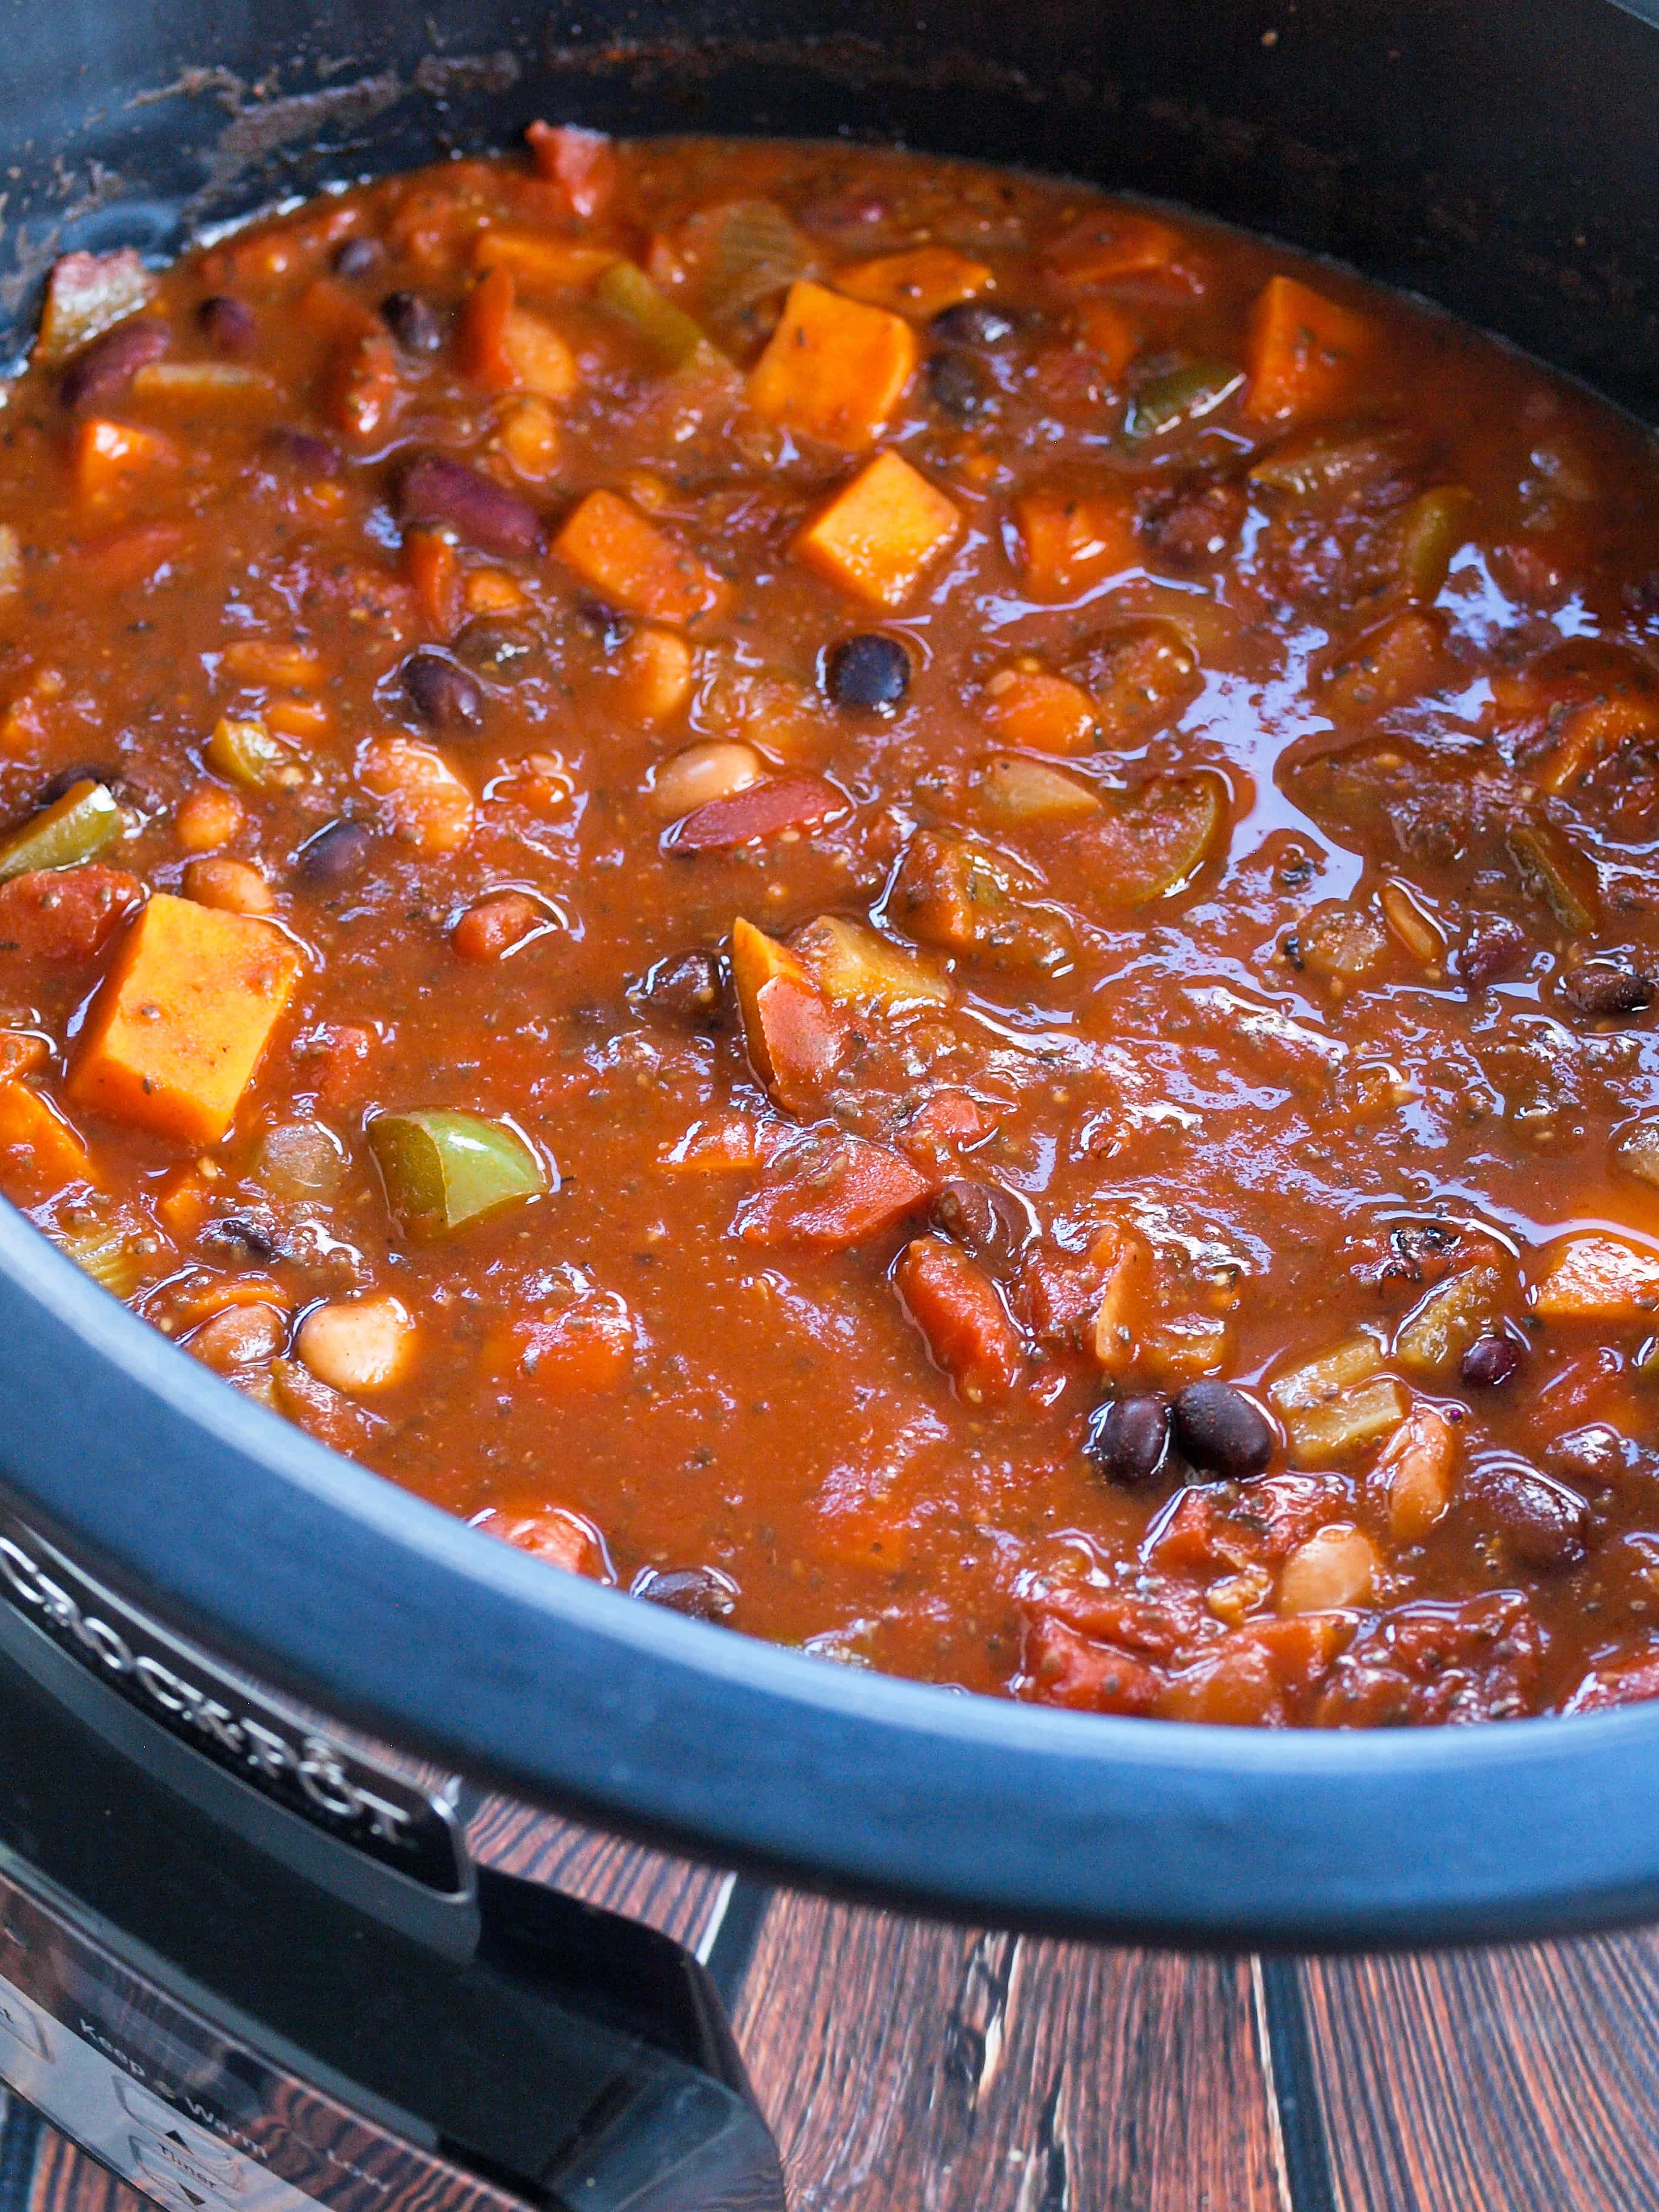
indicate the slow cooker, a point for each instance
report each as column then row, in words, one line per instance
column 253, row 1697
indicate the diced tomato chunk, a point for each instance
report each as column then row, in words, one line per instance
column 828, row 1193
column 65, row 913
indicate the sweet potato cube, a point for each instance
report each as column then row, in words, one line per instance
column 834, row 369
column 112, row 457
column 881, row 533
column 637, row 565
column 542, row 262
column 180, row 1026
column 1301, row 352
column 32, row 1130
column 1040, row 712
column 1111, row 336
column 922, row 282
column 1068, row 543
column 1597, row 1278
column 1116, row 245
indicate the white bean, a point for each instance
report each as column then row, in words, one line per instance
column 357, row 1343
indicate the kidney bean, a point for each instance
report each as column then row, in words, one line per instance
column 1594, row 1453
column 482, row 513
column 700, row 1593
column 765, row 810
column 1494, row 948
column 971, row 322
column 334, row 853
column 1490, row 1362
column 357, row 257
column 983, row 1219
column 1604, row 991
column 102, row 371
column 1127, row 1439
column 689, row 990
column 1220, row 1431
column 412, row 321
column 311, row 456
column 228, row 323
column 1541, row 1522
column 444, row 695
column 869, row 670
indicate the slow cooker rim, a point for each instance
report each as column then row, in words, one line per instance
column 316, row 1573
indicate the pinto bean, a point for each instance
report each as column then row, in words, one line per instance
column 481, row 512
column 982, row 1217
column 1540, row 1520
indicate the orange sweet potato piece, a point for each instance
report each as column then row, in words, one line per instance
column 954, row 1303
column 922, row 282
column 1111, row 336
column 1116, row 245
column 188, row 1010
column 35, row 1137
column 506, row 349
column 1039, row 712
column 828, row 1193
column 110, row 458
column 1597, row 1278
column 542, row 262
column 608, row 541
column 880, row 534
column 834, row 369
column 1301, row 352
column 1069, row 541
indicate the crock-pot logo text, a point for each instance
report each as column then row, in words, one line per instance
column 384, row 1816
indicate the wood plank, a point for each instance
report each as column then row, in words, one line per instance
column 911, row 2067
column 678, row 1896
column 1512, row 2080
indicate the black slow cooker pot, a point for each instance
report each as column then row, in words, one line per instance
column 177, row 1568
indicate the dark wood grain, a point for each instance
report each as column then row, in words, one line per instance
column 67, row 2180
column 1515, row 2080
column 909, row 2068
column 676, row 1895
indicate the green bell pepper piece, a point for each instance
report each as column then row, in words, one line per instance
column 74, row 828
column 1181, row 395
column 446, row 1171
column 667, row 331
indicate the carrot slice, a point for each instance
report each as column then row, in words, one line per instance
column 833, row 368
column 637, row 566
column 881, row 533
column 1301, row 352
column 181, row 1024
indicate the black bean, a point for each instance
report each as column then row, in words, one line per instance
column 444, row 695
column 1541, row 1522
column 702, row 1593
column 356, row 256
column 101, row 372
column 301, row 449
column 1127, row 1439
column 334, row 853
column 247, row 1235
column 229, row 323
column 412, row 321
column 476, row 507
column 498, row 648
column 869, row 670
column 1494, row 948
column 983, row 1219
column 1221, row 1431
column 971, row 322
column 689, row 990
column 1490, row 1362
column 1603, row 990
column 958, row 383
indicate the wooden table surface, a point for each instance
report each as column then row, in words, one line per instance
column 907, row 2067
